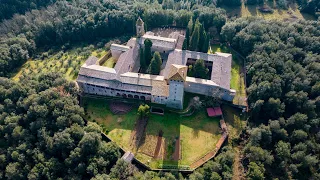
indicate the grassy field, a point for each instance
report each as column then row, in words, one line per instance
column 118, row 127
column 237, row 82
column 291, row 13
column 195, row 131
column 235, row 120
column 66, row 62
column 198, row 133
column 111, row 62
column 218, row 48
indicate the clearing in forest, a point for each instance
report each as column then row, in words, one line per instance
column 169, row 141
column 290, row 14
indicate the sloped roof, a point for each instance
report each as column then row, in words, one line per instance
column 213, row 112
column 128, row 156
column 178, row 72
column 159, row 38
column 97, row 71
column 160, row 88
column 140, row 79
column 91, row 60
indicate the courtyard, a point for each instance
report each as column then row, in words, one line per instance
column 166, row 142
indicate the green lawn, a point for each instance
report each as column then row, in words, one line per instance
column 237, row 82
column 218, row 48
column 111, row 62
column 118, row 127
column 198, row 133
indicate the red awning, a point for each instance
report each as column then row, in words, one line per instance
column 213, row 112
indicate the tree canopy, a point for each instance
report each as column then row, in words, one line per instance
column 283, row 73
column 155, row 65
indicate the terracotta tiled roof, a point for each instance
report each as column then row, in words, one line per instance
column 160, row 88
column 91, row 60
column 178, row 72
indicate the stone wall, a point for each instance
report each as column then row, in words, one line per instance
column 176, row 94
column 209, row 90
column 105, row 91
column 159, row 99
column 117, row 50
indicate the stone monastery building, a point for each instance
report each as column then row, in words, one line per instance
column 168, row 88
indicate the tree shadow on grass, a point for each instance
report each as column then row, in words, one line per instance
column 175, row 129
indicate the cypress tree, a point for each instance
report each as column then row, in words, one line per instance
column 194, row 41
column 155, row 65
column 147, row 51
column 185, row 44
column 187, row 38
column 190, row 25
column 205, row 46
column 201, row 38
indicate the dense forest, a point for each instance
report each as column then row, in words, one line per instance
column 10, row 7
column 283, row 75
column 42, row 131
column 86, row 21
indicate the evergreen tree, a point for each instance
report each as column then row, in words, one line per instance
column 147, row 51
column 230, row 2
column 201, row 38
column 185, row 44
column 155, row 65
column 256, row 171
column 200, row 70
column 194, row 41
column 143, row 64
column 205, row 46
column 190, row 26
column 187, row 38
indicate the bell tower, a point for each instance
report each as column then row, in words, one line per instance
column 140, row 27
column 176, row 78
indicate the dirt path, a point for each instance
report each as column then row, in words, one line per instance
column 238, row 172
column 158, row 147
column 138, row 132
column 236, row 162
column 176, row 154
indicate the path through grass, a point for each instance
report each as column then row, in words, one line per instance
column 198, row 133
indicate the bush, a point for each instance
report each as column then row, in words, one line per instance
column 44, row 55
column 283, row 4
